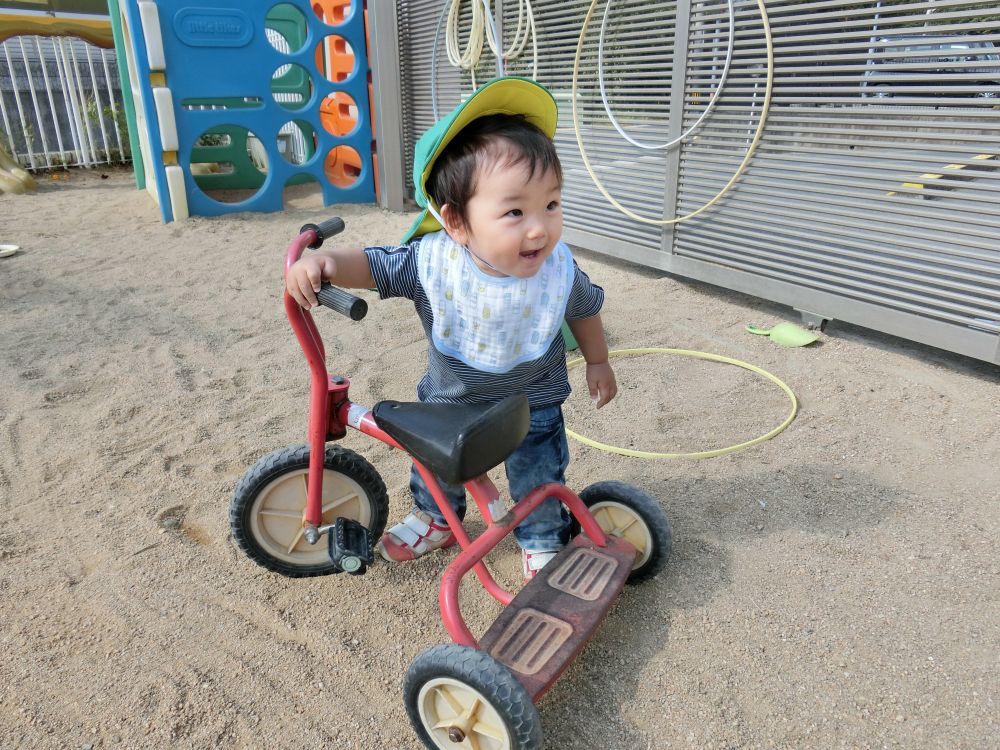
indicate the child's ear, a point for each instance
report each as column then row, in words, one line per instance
column 454, row 225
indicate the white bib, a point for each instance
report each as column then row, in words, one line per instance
column 488, row 322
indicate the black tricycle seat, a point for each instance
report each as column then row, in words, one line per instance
column 457, row 442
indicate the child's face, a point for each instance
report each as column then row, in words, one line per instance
column 514, row 220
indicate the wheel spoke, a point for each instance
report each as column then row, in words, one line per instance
column 471, row 710
column 339, row 501
column 489, row 730
column 451, row 700
column 616, row 517
column 620, row 531
column 295, row 542
column 615, row 523
column 281, row 513
column 604, row 519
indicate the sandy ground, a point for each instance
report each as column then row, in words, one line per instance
column 836, row 587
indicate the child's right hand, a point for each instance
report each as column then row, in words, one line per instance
column 304, row 278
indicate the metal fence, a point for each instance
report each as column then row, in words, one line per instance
column 873, row 195
column 60, row 103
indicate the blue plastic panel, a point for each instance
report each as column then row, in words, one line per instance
column 220, row 50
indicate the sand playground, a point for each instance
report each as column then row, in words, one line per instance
column 835, row 587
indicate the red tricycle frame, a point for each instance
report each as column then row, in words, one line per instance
column 331, row 412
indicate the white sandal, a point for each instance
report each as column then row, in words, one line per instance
column 414, row 537
column 533, row 561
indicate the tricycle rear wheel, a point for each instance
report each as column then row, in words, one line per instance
column 625, row 511
column 268, row 507
column 457, row 696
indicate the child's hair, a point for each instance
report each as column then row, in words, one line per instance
column 493, row 140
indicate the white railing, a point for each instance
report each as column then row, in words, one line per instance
column 61, row 103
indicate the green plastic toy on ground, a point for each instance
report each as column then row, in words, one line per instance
column 786, row 334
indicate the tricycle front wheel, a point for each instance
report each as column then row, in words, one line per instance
column 268, row 507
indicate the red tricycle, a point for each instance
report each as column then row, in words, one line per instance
column 474, row 694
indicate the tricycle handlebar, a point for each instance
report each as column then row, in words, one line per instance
column 343, row 302
column 312, row 236
column 324, row 230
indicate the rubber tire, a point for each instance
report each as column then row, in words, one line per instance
column 650, row 513
column 296, row 458
column 481, row 672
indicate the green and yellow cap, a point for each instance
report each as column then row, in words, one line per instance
column 509, row 95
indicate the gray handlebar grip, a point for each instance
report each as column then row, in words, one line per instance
column 324, row 230
column 343, row 302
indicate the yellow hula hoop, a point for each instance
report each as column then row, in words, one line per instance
column 697, row 454
column 768, row 89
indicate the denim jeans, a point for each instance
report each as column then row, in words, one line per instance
column 541, row 457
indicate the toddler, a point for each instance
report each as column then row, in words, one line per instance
column 491, row 282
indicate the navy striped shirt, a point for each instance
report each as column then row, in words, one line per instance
column 449, row 380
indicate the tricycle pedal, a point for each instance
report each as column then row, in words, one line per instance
column 351, row 546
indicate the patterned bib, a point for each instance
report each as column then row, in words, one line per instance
column 488, row 322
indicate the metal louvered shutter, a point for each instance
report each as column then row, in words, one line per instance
column 419, row 25
column 872, row 197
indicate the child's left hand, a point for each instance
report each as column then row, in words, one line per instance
column 601, row 382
